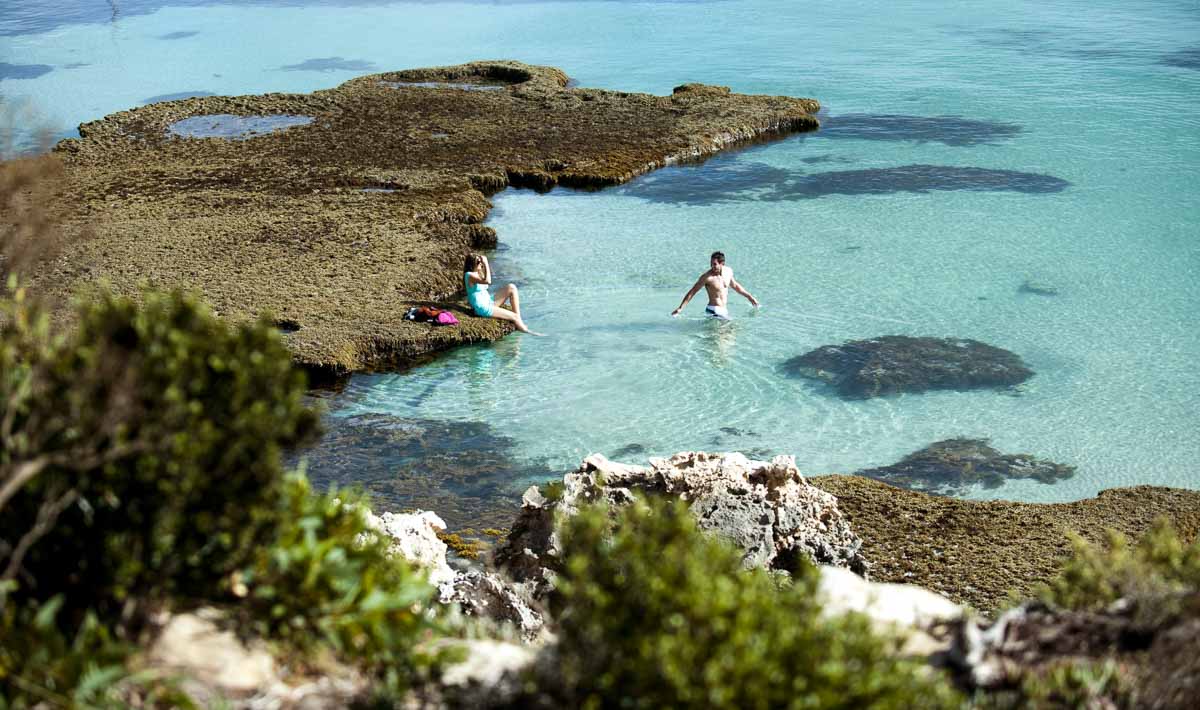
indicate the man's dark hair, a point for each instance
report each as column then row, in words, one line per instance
column 719, row 256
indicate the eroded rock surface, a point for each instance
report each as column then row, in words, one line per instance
column 415, row 537
column 894, row 364
column 488, row 595
column 767, row 509
column 335, row 227
column 952, row 466
column 478, row 593
column 1034, row 639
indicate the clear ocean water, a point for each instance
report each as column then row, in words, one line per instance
column 969, row 148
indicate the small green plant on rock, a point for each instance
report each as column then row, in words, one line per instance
column 1154, row 573
column 328, row 580
column 656, row 614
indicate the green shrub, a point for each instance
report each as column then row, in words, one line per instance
column 42, row 667
column 41, row 664
column 328, row 580
column 1155, row 571
column 1069, row 683
column 655, row 614
column 1075, row 684
column 144, row 448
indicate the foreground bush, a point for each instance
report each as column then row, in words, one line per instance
column 139, row 452
column 327, row 581
column 655, row 614
column 1154, row 574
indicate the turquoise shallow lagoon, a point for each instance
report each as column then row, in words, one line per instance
column 966, row 151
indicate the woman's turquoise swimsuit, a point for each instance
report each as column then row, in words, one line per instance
column 478, row 297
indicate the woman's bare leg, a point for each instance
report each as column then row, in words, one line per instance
column 510, row 298
column 505, row 314
column 515, row 298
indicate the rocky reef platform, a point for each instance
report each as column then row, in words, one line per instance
column 978, row 552
column 337, row 210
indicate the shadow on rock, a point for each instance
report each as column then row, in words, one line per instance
column 894, row 364
column 953, row 466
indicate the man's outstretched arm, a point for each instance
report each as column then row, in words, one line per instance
column 733, row 284
column 688, row 296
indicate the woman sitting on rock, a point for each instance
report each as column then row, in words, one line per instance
column 477, row 275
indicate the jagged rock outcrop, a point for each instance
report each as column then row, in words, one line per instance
column 1033, row 638
column 765, row 508
column 893, row 364
column 952, row 466
column 487, row 595
column 414, row 537
column 482, row 594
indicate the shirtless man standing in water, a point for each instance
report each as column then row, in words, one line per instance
column 717, row 281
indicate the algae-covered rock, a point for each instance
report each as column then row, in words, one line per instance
column 368, row 202
column 978, row 552
column 893, row 364
column 952, row 466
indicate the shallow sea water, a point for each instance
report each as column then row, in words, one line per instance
column 966, row 151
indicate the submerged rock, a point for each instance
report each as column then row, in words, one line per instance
column 893, row 364
column 952, row 466
column 1037, row 288
column 463, row 470
column 766, row 509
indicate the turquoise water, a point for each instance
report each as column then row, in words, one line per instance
column 967, row 150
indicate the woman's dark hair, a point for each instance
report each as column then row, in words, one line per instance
column 470, row 262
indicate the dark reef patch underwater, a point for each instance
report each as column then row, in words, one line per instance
column 175, row 96
column 23, row 71
column 954, row 466
column 732, row 181
column 1186, row 58
column 895, row 364
column 465, row 471
column 325, row 64
column 948, row 130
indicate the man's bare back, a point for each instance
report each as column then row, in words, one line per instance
column 716, row 281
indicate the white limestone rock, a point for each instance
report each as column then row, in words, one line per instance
column 919, row 616
column 414, row 537
column 765, row 508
